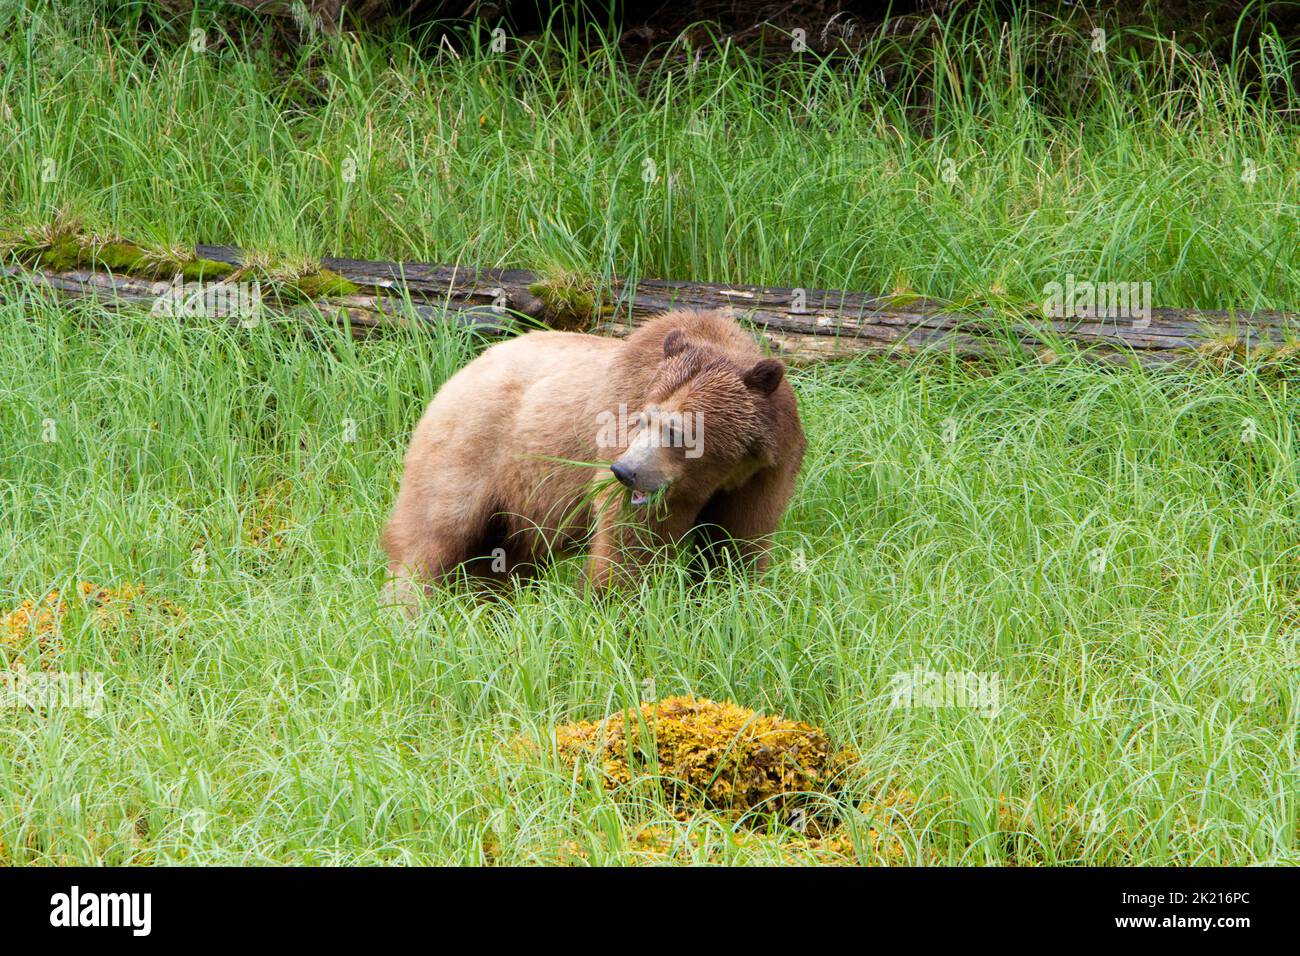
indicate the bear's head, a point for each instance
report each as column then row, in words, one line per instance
column 708, row 423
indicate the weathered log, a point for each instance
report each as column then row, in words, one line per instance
column 800, row 325
column 366, row 314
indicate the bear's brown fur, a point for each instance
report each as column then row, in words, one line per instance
column 495, row 477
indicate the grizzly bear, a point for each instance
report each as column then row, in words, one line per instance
column 553, row 441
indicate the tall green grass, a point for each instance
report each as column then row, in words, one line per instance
column 1118, row 548
column 986, row 161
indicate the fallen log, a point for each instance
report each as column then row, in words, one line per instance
column 799, row 325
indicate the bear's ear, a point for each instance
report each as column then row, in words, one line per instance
column 764, row 376
column 674, row 343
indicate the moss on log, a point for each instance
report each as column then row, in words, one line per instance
column 799, row 325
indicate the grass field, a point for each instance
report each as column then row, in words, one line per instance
column 1117, row 548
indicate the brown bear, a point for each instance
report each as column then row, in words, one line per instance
column 556, row 440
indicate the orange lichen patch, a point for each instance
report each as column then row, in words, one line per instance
column 652, row 840
column 891, row 813
column 892, row 803
column 1023, row 815
column 1030, row 828
column 266, row 524
column 710, row 754
column 112, row 607
column 31, row 621
column 41, row 621
column 263, row 531
column 106, row 603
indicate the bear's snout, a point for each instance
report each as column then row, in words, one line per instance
column 637, row 471
column 624, row 473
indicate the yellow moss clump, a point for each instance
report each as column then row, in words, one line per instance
column 265, row 524
column 41, row 621
column 714, row 754
column 38, row 621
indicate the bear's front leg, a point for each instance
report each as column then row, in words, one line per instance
column 738, row 525
column 624, row 543
column 601, row 558
column 614, row 553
